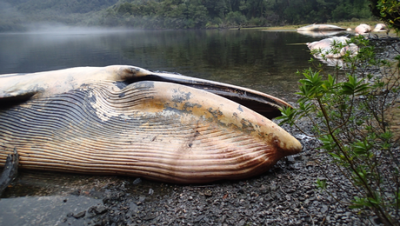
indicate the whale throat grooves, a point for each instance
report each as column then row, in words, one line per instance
column 175, row 134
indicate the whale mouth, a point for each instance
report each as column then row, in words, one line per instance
column 17, row 88
column 264, row 104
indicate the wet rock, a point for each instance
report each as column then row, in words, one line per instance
column 149, row 216
column 80, row 214
column 290, row 159
column 98, row 209
column 133, row 207
column 137, row 181
column 76, row 192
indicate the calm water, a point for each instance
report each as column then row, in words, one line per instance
column 265, row 61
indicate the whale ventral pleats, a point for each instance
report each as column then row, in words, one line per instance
column 125, row 120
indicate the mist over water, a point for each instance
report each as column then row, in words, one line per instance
column 63, row 29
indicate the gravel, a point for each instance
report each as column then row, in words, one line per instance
column 285, row 195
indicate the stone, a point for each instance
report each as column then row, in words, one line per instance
column 80, row 214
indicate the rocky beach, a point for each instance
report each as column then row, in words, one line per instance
column 285, row 195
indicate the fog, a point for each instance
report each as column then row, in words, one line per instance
column 48, row 46
column 60, row 29
column 51, row 16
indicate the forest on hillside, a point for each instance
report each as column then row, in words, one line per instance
column 179, row 14
column 226, row 13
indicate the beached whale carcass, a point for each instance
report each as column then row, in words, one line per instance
column 320, row 30
column 320, row 27
column 362, row 29
column 126, row 120
column 324, row 50
column 324, row 47
column 380, row 27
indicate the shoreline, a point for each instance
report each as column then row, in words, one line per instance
column 285, row 195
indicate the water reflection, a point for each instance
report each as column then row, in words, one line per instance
column 250, row 58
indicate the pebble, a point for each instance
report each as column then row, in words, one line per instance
column 80, row 214
column 324, row 209
column 137, row 181
column 100, row 209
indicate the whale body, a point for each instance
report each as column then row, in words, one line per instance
column 125, row 120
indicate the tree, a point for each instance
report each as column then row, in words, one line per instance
column 388, row 11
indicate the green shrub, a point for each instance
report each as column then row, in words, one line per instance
column 350, row 115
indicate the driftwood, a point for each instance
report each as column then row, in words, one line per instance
column 10, row 171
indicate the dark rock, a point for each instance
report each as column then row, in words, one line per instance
column 149, row 216
column 242, row 222
column 80, row 214
column 137, row 181
column 198, row 219
column 290, row 159
column 76, row 192
column 99, row 209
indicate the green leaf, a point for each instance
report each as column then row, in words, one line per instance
column 321, row 184
column 288, row 115
column 327, row 142
column 386, row 135
column 361, row 147
column 360, row 203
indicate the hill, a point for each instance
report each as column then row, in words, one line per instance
column 16, row 15
column 179, row 14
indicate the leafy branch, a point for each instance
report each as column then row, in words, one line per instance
column 350, row 116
